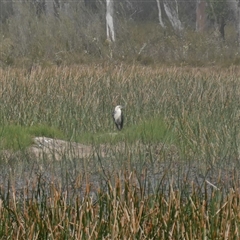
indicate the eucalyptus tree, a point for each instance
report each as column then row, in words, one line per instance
column 171, row 10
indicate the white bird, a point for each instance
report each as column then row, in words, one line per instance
column 118, row 117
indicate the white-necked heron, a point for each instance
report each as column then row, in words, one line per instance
column 118, row 116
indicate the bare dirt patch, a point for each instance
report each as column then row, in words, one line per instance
column 55, row 149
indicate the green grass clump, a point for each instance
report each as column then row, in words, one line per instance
column 42, row 130
column 148, row 131
column 17, row 137
column 14, row 137
column 151, row 130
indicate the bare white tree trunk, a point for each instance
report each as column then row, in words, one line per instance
column 160, row 14
column 172, row 14
column 109, row 21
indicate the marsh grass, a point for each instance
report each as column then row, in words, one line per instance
column 172, row 172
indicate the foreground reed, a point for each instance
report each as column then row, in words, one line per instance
column 121, row 212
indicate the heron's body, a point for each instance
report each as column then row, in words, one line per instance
column 118, row 117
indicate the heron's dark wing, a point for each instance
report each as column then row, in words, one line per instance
column 118, row 121
column 122, row 120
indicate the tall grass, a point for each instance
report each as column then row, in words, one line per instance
column 171, row 172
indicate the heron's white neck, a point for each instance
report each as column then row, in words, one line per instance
column 117, row 112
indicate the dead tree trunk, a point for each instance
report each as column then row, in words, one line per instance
column 171, row 10
column 201, row 17
column 160, row 14
column 109, row 20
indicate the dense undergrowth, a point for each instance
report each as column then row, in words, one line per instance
column 81, row 39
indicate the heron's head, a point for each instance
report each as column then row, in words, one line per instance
column 118, row 107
